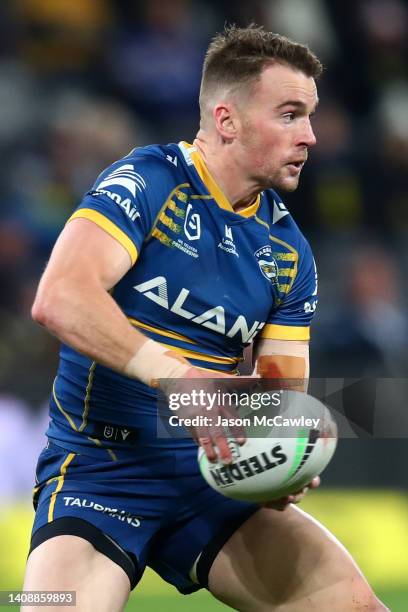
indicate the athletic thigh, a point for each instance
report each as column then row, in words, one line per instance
column 288, row 562
column 70, row 563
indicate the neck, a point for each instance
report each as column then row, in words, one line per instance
column 226, row 169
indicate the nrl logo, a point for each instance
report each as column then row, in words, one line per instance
column 267, row 263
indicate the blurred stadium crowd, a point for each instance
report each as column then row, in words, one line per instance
column 82, row 82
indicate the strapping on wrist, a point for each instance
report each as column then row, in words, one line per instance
column 152, row 361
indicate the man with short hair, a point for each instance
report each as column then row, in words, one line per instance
column 178, row 258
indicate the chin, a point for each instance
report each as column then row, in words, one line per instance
column 281, row 183
column 286, row 185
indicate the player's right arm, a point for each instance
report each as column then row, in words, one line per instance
column 73, row 302
column 96, row 249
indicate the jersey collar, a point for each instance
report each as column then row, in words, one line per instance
column 193, row 158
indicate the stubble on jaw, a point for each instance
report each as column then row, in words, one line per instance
column 271, row 178
column 261, row 172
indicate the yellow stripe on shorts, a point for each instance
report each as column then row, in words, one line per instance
column 59, row 486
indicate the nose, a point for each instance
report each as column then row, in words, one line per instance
column 307, row 137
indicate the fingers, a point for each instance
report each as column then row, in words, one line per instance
column 219, row 422
column 218, row 437
column 295, row 498
column 207, row 445
column 236, row 431
column 215, row 444
column 315, row 482
column 221, row 443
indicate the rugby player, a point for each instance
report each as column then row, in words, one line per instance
column 178, row 258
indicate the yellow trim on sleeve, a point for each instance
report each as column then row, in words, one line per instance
column 285, row 332
column 109, row 227
column 58, row 488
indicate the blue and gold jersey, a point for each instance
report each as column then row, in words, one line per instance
column 205, row 281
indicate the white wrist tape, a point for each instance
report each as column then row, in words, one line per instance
column 154, row 361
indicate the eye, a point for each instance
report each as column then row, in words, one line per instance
column 289, row 117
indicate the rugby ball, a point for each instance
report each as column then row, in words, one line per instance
column 286, row 447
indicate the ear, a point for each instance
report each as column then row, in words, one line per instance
column 226, row 120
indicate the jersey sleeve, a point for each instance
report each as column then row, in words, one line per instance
column 126, row 199
column 292, row 318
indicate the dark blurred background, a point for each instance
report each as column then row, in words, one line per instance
column 84, row 81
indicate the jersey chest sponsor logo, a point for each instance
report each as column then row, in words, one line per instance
column 267, row 263
column 214, row 318
column 227, row 244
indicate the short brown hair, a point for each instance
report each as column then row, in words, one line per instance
column 239, row 55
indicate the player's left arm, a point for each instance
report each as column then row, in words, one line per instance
column 286, row 360
column 282, row 349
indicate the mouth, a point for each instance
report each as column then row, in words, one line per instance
column 299, row 163
column 296, row 166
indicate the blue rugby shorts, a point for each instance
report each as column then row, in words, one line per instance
column 150, row 508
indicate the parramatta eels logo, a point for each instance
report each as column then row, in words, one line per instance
column 267, row 263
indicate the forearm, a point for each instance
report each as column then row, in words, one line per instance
column 88, row 319
column 284, row 360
